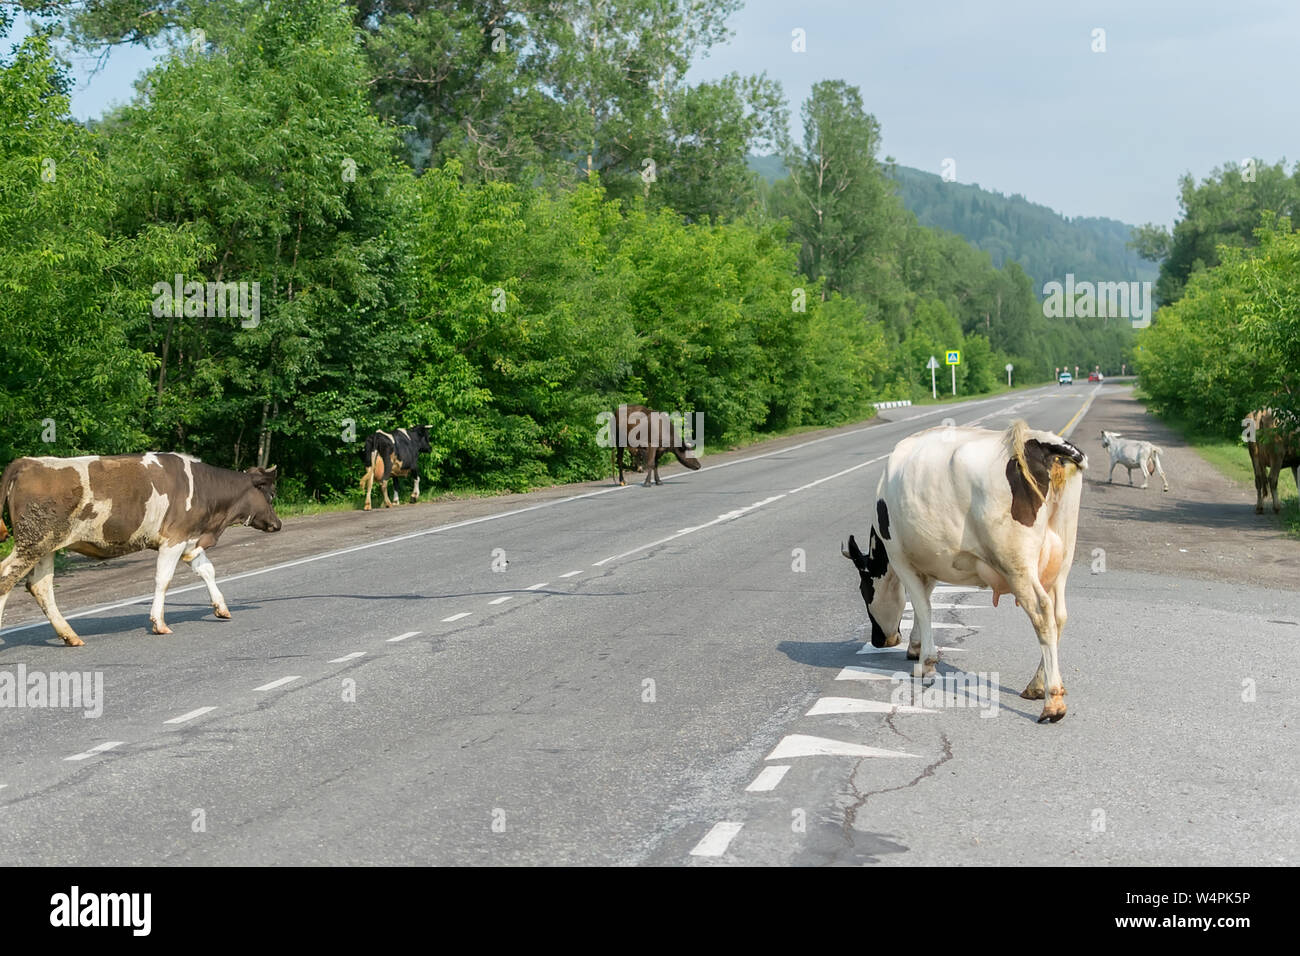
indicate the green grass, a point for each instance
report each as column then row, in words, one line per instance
column 1231, row 459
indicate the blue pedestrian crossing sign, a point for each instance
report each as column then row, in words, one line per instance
column 954, row 357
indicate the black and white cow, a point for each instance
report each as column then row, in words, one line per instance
column 113, row 505
column 392, row 455
column 970, row 506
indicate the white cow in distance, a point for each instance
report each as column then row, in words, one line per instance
column 1132, row 453
column 976, row 507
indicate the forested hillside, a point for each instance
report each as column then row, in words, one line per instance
column 450, row 213
column 1044, row 243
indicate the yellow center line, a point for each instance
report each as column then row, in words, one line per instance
column 1064, row 432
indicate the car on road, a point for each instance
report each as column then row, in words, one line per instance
column 1094, row 376
column 1065, row 378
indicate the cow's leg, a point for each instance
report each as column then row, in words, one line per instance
column 616, row 463
column 201, row 566
column 168, row 555
column 40, row 583
column 918, row 591
column 367, row 483
column 1261, row 483
column 651, row 467
column 1130, row 476
column 1142, row 469
column 12, row 570
column 415, row 491
column 1046, row 683
column 1274, row 474
column 383, row 490
column 1161, row 472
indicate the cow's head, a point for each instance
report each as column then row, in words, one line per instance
column 421, row 435
column 1108, row 438
column 261, row 514
column 686, row 455
column 881, row 590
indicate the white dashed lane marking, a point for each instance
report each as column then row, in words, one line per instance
column 802, row 745
column 717, row 840
column 852, row 705
column 99, row 749
column 534, row 587
column 859, row 672
column 348, row 657
column 190, row 716
column 279, row 683
column 502, row 600
column 402, row 637
column 456, row 617
column 570, row 574
column 768, row 779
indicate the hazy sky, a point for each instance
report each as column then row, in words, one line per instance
column 1012, row 91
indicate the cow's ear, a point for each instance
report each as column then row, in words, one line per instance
column 853, row 552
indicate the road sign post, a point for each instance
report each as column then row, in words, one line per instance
column 1009, row 368
column 932, row 365
column 954, row 359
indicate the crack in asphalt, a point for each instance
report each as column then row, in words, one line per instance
column 851, row 812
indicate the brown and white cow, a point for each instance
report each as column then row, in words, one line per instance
column 113, row 505
column 1273, row 449
column 640, row 429
column 970, row 506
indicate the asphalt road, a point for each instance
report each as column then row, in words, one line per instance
column 661, row 676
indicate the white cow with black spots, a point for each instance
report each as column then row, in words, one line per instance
column 970, row 506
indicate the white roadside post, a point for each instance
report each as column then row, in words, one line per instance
column 1009, row 368
column 933, row 364
column 954, row 359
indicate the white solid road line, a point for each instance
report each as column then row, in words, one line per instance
column 853, row 705
column 402, row 637
column 456, row 617
column 813, row 484
column 717, row 840
column 502, row 600
column 708, row 524
column 101, row 748
column 802, row 745
column 348, row 657
column 279, row 683
column 190, row 716
column 767, row 779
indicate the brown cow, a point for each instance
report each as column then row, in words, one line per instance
column 107, row 506
column 651, row 433
column 1275, row 447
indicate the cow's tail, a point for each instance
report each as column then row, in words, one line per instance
column 370, row 458
column 1063, row 452
column 6, row 482
column 1017, row 435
